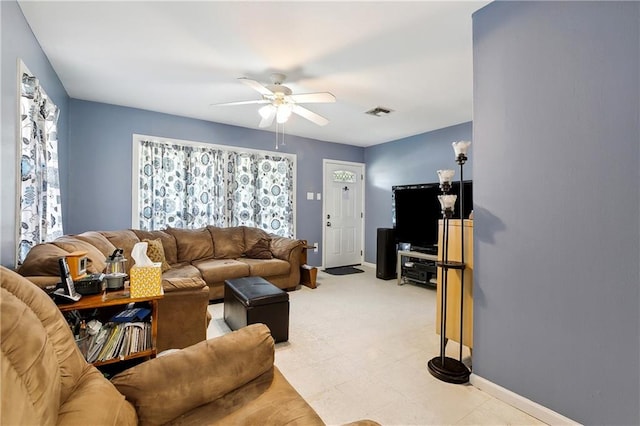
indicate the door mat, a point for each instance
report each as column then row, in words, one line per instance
column 342, row 270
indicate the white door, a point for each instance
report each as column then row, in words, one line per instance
column 343, row 213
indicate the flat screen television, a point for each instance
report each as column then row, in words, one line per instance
column 416, row 211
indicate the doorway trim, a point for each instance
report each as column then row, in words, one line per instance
column 362, row 166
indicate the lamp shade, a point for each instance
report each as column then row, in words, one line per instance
column 447, row 202
column 461, row 147
column 446, row 176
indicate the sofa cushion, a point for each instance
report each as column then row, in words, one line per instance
column 260, row 250
column 253, row 235
column 218, row 270
column 97, row 240
column 266, row 268
column 96, row 259
column 168, row 243
column 192, row 244
column 245, row 355
column 267, row 400
column 281, row 247
column 182, row 270
column 229, row 242
column 40, row 360
column 42, row 259
column 96, row 401
column 45, row 378
column 155, row 253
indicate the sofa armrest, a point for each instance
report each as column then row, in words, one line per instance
column 177, row 284
column 44, row 281
column 164, row 388
column 183, row 316
column 281, row 247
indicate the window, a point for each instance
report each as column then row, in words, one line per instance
column 344, row 176
column 186, row 184
column 39, row 206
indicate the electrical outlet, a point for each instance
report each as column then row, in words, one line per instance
column 315, row 247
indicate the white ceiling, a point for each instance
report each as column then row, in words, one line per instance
column 180, row 57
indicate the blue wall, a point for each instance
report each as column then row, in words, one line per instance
column 99, row 173
column 557, row 205
column 411, row 160
column 18, row 42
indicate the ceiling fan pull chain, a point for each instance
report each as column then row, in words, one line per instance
column 279, row 135
column 282, row 135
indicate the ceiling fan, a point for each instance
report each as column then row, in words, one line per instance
column 281, row 102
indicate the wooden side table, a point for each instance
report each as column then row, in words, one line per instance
column 308, row 274
column 118, row 299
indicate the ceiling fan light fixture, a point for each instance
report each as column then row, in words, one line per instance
column 266, row 111
column 279, row 102
column 284, row 112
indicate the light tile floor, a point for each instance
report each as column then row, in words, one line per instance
column 358, row 348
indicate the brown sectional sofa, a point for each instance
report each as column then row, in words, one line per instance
column 199, row 262
column 217, row 254
column 45, row 379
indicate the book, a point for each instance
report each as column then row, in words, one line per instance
column 124, row 349
column 109, row 328
column 98, row 342
column 104, row 353
column 120, row 333
column 135, row 329
column 133, row 314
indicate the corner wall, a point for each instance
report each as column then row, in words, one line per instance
column 412, row 160
column 557, row 206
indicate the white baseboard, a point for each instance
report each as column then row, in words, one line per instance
column 534, row 409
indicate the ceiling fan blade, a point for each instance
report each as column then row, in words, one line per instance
column 256, row 101
column 313, row 97
column 310, row 115
column 268, row 114
column 259, row 87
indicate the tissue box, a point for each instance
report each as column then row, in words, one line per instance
column 145, row 281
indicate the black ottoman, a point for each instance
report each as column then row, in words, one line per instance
column 252, row 300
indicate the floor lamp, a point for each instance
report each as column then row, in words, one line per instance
column 442, row 367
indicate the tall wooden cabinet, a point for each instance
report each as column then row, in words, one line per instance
column 453, row 282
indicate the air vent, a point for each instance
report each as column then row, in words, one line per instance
column 379, row 111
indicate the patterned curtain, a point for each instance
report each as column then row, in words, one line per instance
column 187, row 186
column 180, row 186
column 261, row 192
column 40, row 207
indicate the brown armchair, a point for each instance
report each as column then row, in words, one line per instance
column 45, row 379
